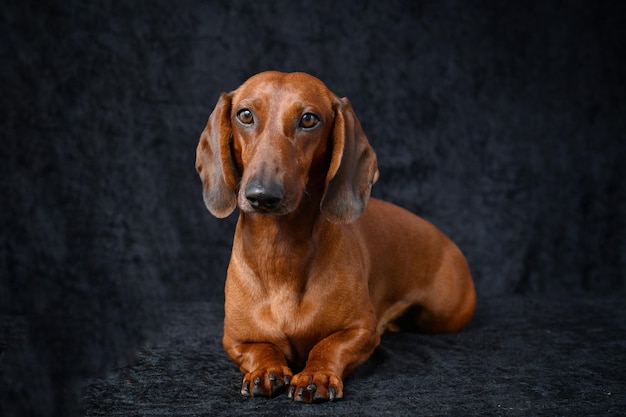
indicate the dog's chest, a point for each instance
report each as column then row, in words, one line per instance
column 287, row 312
column 294, row 322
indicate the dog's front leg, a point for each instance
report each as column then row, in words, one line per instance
column 264, row 367
column 330, row 361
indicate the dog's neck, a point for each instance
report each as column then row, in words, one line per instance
column 272, row 232
column 282, row 248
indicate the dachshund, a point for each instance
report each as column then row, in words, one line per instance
column 318, row 270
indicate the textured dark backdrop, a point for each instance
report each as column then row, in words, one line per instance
column 502, row 122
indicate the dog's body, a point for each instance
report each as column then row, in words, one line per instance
column 318, row 270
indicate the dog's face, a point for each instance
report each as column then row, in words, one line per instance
column 280, row 139
column 280, row 129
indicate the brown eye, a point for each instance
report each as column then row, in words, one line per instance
column 308, row 121
column 245, row 116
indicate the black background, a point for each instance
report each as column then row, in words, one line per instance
column 501, row 122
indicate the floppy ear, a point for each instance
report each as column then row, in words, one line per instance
column 352, row 171
column 214, row 161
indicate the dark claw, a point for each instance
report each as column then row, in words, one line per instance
column 333, row 394
column 272, row 377
column 311, row 388
column 299, row 396
column 257, row 391
column 291, row 391
column 246, row 388
column 287, row 380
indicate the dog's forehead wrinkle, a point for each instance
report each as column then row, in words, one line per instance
column 275, row 88
column 248, row 102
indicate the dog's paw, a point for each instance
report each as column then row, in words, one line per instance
column 316, row 387
column 266, row 382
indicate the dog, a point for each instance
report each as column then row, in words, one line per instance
column 318, row 270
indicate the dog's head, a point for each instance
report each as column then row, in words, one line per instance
column 280, row 138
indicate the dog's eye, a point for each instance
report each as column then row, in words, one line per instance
column 308, row 120
column 245, row 116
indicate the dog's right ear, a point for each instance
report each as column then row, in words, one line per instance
column 214, row 161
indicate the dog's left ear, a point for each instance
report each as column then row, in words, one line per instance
column 353, row 168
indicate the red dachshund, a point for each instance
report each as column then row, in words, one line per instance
column 318, row 269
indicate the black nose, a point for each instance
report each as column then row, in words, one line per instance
column 264, row 196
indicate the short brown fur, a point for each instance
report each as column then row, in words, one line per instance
column 318, row 269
